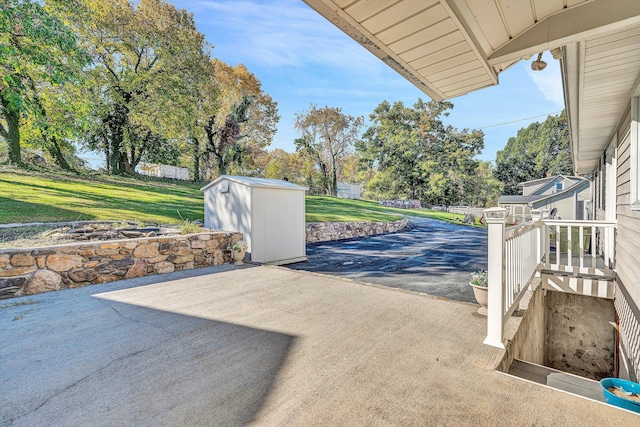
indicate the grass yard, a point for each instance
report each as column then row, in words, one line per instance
column 27, row 196
column 32, row 197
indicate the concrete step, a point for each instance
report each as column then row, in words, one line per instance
column 574, row 384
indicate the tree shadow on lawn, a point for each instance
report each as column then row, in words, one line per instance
column 14, row 211
column 167, row 208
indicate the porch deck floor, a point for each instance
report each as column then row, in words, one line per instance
column 575, row 260
column 262, row 346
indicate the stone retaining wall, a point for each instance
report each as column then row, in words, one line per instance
column 31, row 271
column 327, row 231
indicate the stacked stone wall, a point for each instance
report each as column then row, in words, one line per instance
column 328, row 231
column 34, row 270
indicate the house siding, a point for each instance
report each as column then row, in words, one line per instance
column 628, row 221
column 627, row 250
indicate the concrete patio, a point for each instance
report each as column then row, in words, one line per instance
column 263, row 346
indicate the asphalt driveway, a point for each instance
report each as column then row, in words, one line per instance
column 433, row 257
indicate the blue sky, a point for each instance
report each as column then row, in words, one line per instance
column 302, row 59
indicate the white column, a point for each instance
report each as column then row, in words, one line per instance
column 496, row 218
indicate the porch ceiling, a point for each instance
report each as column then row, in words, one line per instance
column 444, row 47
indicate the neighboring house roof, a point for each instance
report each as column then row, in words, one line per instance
column 537, row 199
column 558, row 178
column 548, row 179
column 256, row 183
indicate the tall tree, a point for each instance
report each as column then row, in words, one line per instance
column 145, row 57
column 327, row 136
column 235, row 119
column 538, row 151
column 36, row 49
column 415, row 155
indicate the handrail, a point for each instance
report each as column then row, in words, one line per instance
column 596, row 223
column 519, row 229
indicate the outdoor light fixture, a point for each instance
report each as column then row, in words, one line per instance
column 557, row 53
column 538, row 64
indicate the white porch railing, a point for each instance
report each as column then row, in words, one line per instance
column 517, row 254
column 580, row 246
column 513, row 259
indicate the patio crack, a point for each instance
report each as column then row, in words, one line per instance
column 133, row 319
column 75, row 383
column 102, row 368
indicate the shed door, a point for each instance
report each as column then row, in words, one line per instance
column 278, row 225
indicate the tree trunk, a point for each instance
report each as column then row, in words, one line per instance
column 222, row 166
column 13, row 132
column 196, row 159
column 54, row 149
column 334, row 178
column 116, row 122
column 107, row 152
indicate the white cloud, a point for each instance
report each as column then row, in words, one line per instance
column 283, row 33
column 548, row 81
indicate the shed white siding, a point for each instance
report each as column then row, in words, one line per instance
column 229, row 213
column 269, row 213
column 279, row 224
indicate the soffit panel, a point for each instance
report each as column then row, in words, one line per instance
column 542, row 8
column 400, row 12
column 441, row 55
column 517, row 14
column 425, row 35
column 478, row 72
column 428, row 17
column 435, row 46
column 490, row 21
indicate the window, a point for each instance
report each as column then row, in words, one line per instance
column 635, row 151
column 559, row 186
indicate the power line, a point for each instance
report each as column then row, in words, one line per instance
column 519, row 120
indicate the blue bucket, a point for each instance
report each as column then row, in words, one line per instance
column 618, row 401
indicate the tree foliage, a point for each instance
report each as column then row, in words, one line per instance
column 38, row 54
column 416, row 156
column 145, row 57
column 539, row 150
column 234, row 122
column 327, row 136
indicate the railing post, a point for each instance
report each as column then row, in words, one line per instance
column 536, row 216
column 496, row 219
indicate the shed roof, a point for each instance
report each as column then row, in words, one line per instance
column 256, row 183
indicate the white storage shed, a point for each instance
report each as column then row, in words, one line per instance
column 269, row 212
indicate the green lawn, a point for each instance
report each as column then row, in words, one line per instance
column 31, row 197
column 27, row 196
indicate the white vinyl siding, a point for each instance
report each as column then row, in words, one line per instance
column 635, row 152
column 627, row 250
column 628, row 235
